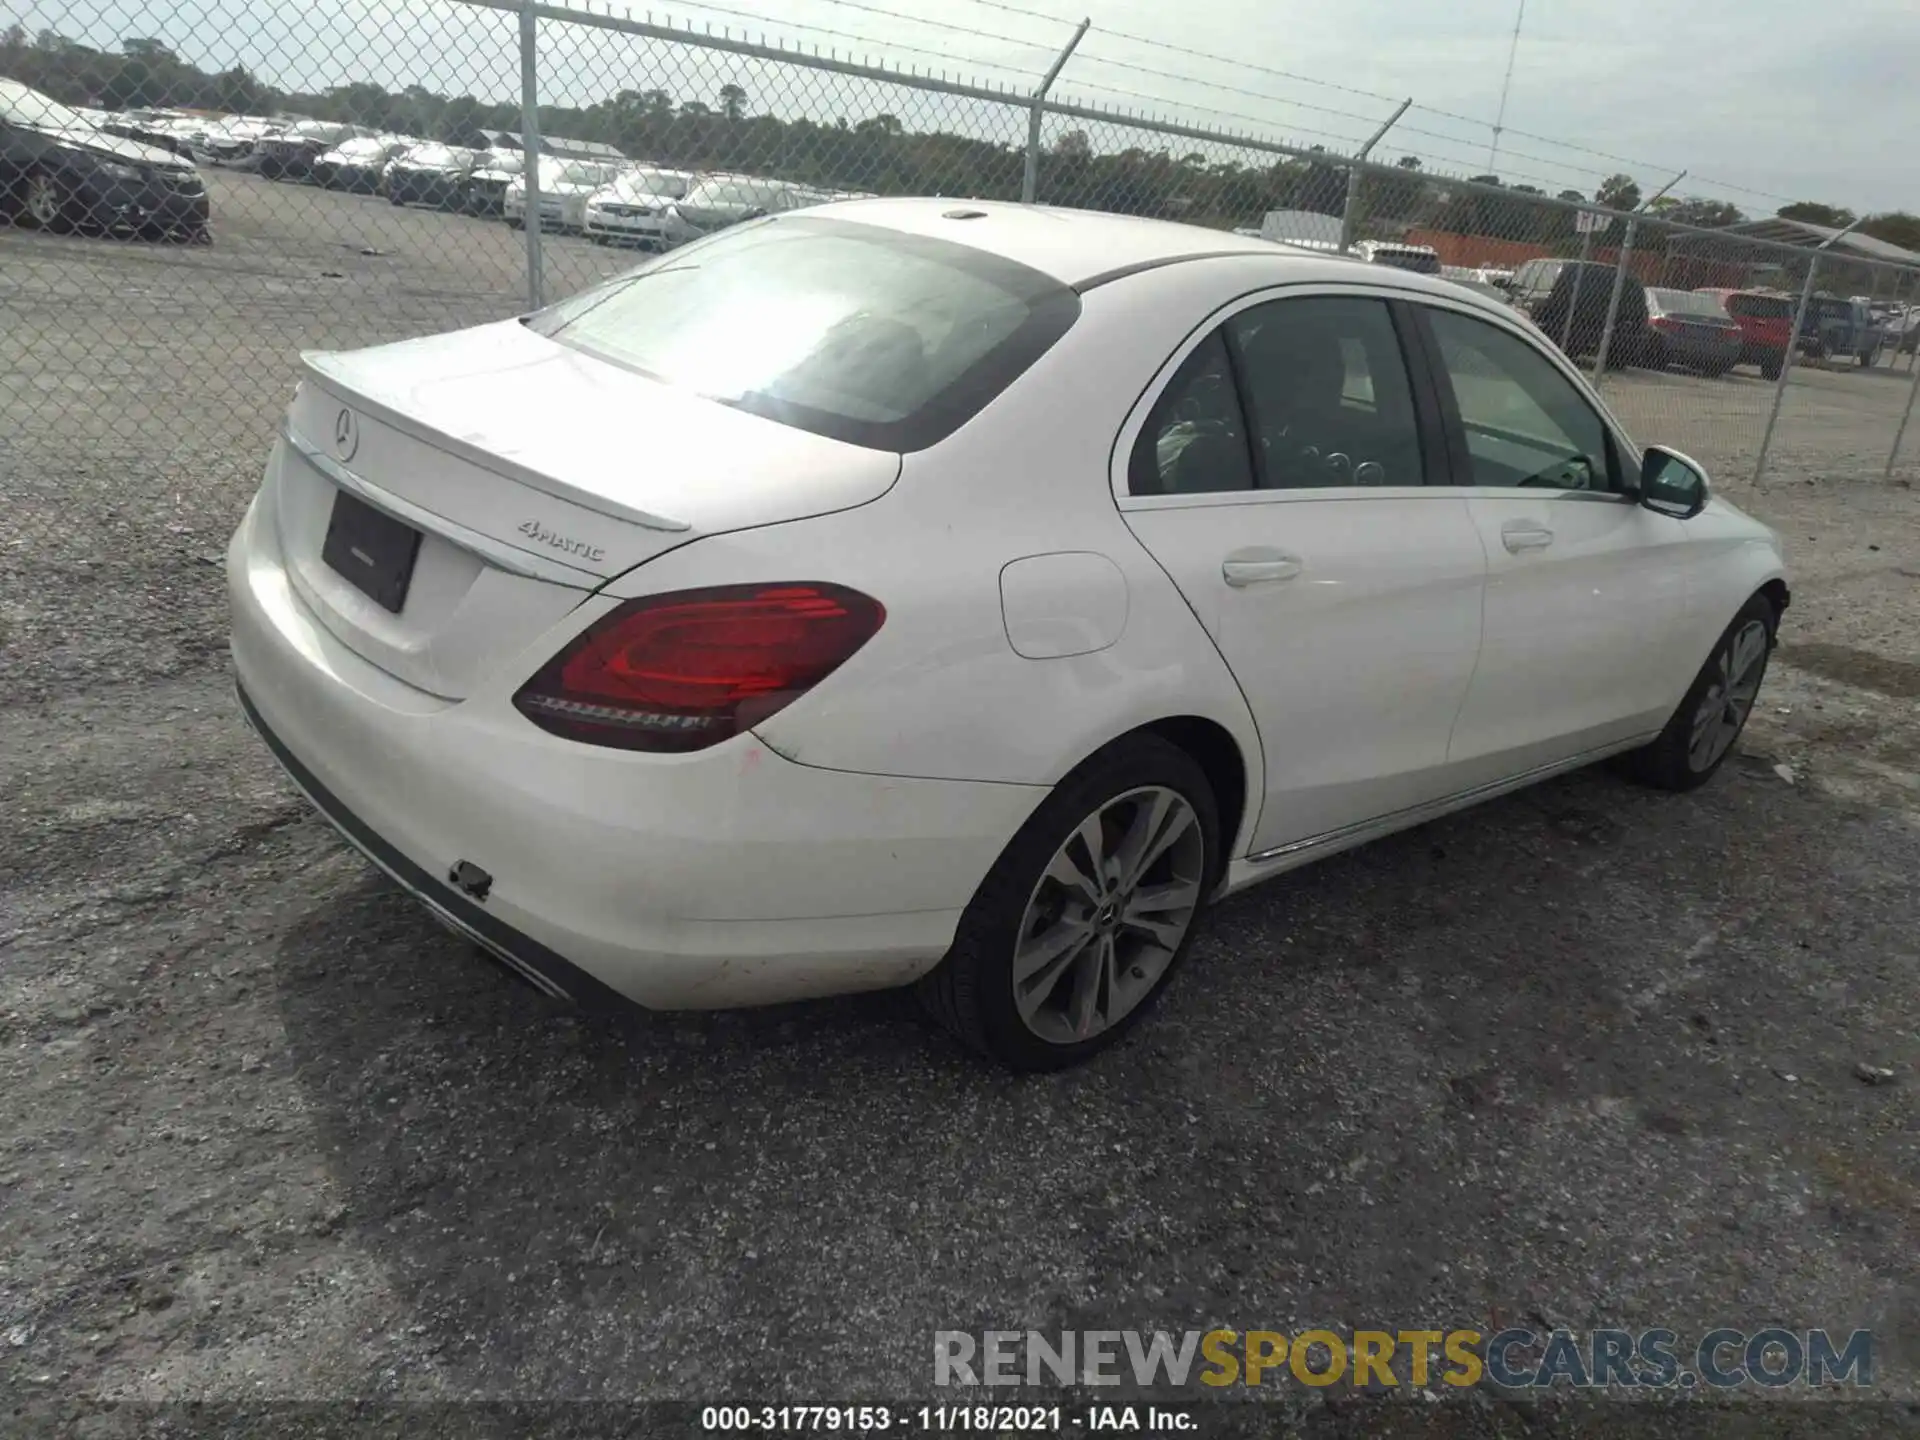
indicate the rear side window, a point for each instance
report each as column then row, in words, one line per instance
column 850, row 331
column 1195, row 440
column 1298, row 394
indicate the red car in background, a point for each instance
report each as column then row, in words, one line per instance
column 1766, row 326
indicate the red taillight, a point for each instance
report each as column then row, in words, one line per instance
column 685, row 670
column 1664, row 322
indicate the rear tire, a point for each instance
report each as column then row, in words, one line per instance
column 1706, row 727
column 1770, row 369
column 1101, row 937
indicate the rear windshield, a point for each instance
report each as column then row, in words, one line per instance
column 1760, row 307
column 736, row 192
column 861, row 334
column 1686, row 302
column 657, row 182
column 588, row 172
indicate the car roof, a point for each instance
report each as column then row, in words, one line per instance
column 1075, row 247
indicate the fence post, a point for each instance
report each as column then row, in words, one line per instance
column 530, row 153
column 1613, row 300
column 1905, row 415
column 1793, row 348
column 1030, row 182
column 1620, row 277
column 1579, row 277
column 1353, row 176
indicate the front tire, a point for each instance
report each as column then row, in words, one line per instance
column 1703, row 731
column 1086, row 913
column 45, row 203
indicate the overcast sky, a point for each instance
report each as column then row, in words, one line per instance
column 1761, row 100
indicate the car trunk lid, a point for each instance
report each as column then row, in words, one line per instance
column 533, row 473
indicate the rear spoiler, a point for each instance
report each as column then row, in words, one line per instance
column 325, row 369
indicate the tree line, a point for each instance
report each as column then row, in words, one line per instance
column 1209, row 185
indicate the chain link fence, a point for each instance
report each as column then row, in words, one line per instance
column 193, row 196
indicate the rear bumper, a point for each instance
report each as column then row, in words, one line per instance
column 550, row 973
column 725, row 877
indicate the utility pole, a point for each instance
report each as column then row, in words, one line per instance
column 1506, row 85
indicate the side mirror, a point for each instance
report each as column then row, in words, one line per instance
column 1672, row 484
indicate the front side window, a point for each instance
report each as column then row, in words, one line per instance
column 1526, row 423
column 1327, row 394
column 865, row 335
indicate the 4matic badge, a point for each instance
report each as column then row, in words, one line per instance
column 534, row 530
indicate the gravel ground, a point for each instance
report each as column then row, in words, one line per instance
column 1585, row 1056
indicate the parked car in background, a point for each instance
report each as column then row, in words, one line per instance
column 565, row 186
column 290, row 154
column 633, row 209
column 433, row 174
column 493, row 171
column 1161, row 560
column 1568, row 299
column 1765, row 318
column 162, row 129
column 360, row 164
column 1903, row 329
column 1690, row 329
column 717, row 201
column 60, row 172
column 232, row 141
column 1837, row 328
column 1420, row 259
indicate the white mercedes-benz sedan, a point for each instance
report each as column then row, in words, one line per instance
column 965, row 594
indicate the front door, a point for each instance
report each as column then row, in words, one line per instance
column 1585, row 592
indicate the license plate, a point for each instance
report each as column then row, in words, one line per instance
column 373, row 550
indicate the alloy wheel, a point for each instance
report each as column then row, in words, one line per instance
column 1109, row 914
column 43, row 201
column 1729, row 697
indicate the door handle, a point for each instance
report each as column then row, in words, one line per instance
column 1255, row 567
column 1518, row 535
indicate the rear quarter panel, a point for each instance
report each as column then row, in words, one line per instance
column 940, row 692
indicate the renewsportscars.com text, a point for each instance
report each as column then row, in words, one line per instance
column 1513, row 1358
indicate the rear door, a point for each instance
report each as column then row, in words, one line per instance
column 1277, row 473
column 1585, row 588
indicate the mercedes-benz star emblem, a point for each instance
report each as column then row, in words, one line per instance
column 346, row 435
